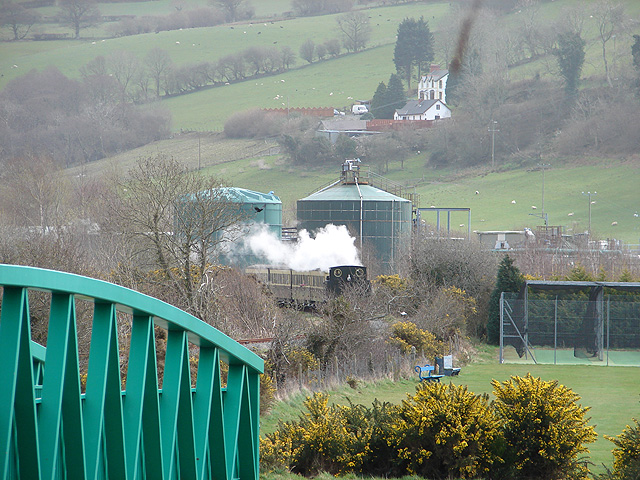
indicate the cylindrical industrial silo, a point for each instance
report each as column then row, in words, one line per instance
column 377, row 218
column 258, row 208
column 255, row 210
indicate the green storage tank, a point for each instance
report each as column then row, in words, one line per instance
column 257, row 208
column 265, row 208
column 374, row 216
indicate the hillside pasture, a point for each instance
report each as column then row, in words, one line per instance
column 254, row 164
column 208, row 44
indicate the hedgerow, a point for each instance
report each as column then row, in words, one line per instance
column 533, row 430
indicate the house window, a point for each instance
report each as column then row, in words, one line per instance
column 437, row 106
column 432, row 95
column 440, row 95
column 440, row 83
column 437, row 117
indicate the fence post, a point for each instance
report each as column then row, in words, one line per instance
column 501, row 327
column 555, row 332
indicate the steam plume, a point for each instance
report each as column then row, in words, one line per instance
column 331, row 245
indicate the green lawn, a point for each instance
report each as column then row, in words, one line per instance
column 612, row 393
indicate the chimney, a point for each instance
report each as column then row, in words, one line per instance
column 434, row 67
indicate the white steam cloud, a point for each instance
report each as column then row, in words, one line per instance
column 331, row 246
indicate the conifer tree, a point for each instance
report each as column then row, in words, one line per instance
column 396, row 97
column 570, row 54
column 378, row 101
column 509, row 279
column 414, row 47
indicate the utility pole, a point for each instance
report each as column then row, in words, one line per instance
column 493, row 131
column 543, row 165
column 588, row 194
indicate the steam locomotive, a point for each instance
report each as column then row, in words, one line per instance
column 308, row 288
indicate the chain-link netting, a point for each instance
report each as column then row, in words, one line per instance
column 572, row 329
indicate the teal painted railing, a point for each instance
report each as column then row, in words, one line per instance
column 50, row 428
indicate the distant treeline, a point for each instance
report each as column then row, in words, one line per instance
column 72, row 122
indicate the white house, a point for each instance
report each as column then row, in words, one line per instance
column 433, row 85
column 423, row 110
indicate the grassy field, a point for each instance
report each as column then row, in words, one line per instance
column 339, row 82
column 208, row 44
column 249, row 164
column 610, row 392
column 491, row 209
column 334, row 82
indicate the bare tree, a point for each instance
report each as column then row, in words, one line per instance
column 79, row 14
column 355, row 29
column 287, row 57
column 159, row 64
column 572, row 19
column 18, row 19
column 333, row 47
column 235, row 9
column 610, row 19
column 176, row 220
column 307, row 50
column 34, row 195
column 124, row 66
column 257, row 58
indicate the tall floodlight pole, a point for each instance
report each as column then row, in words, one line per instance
column 493, row 131
column 543, row 165
column 588, row 194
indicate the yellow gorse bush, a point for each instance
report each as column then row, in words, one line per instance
column 533, row 430
column 392, row 282
column 626, row 454
column 544, row 428
column 405, row 335
column 445, row 430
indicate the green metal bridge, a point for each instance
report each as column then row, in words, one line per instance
column 54, row 425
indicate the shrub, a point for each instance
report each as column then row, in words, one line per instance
column 325, row 439
column 405, row 335
column 392, row 282
column 267, row 393
column 444, row 431
column 626, row 454
column 448, row 313
column 545, row 430
column 336, row 439
column 533, row 430
column 253, row 123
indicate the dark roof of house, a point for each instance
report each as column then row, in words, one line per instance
column 344, row 124
column 437, row 74
column 417, row 107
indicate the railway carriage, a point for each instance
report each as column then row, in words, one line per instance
column 306, row 288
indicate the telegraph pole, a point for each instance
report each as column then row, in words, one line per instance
column 543, row 165
column 493, row 131
column 588, row 194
